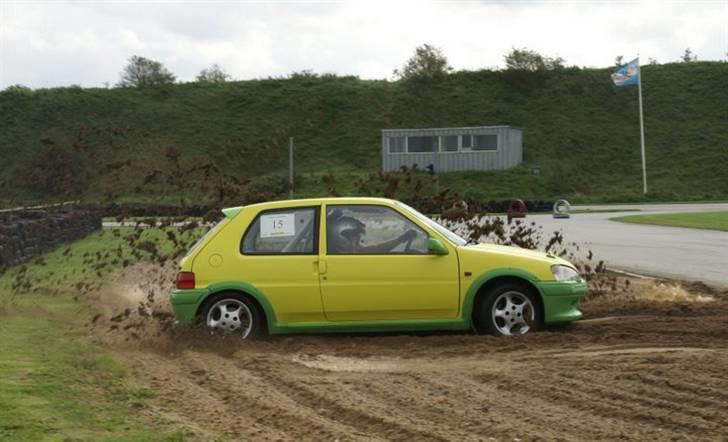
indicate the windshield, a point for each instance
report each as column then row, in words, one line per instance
column 452, row 237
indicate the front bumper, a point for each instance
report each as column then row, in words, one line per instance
column 185, row 304
column 561, row 300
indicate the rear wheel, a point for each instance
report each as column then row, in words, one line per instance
column 508, row 310
column 232, row 314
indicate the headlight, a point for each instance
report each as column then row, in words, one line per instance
column 565, row 273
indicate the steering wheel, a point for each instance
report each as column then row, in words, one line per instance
column 408, row 245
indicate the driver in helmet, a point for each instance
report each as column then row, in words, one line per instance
column 347, row 234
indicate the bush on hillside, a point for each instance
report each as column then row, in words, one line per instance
column 688, row 56
column 18, row 89
column 213, row 74
column 527, row 60
column 143, row 72
column 427, row 62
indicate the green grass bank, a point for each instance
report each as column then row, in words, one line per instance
column 698, row 220
column 580, row 132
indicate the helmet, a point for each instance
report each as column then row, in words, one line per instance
column 347, row 227
column 342, row 230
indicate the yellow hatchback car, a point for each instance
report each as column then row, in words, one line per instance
column 364, row 264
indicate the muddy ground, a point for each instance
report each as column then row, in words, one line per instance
column 649, row 363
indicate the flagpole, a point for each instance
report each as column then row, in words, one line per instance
column 642, row 130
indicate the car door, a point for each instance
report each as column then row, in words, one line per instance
column 279, row 256
column 373, row 269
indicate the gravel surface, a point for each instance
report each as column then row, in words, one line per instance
column 649, row 362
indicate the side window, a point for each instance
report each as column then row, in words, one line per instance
column 371, row 230
column 285, row 231
column 467, row 141
column 396, row 144
column 449, row 143
column 486, row 142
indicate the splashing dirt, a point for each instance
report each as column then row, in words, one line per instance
column 612, row 375
column 669, row 292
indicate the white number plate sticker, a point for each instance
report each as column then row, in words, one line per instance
column 280, row 224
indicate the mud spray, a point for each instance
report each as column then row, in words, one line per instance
column 647, row 363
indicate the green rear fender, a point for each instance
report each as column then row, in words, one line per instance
column 248, row 289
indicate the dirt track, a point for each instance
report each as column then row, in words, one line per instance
column 640, row 370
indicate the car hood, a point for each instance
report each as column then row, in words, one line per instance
column 512, row 253
column 511, row 250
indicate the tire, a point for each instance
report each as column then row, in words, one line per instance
column 509, row 309
column 232, row 314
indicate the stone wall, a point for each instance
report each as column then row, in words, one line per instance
column 27, row 233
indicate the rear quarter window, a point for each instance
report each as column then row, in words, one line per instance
column 292, row 231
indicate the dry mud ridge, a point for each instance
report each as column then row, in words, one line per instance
column 633, row 370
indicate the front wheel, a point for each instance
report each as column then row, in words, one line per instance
column 233, row 314
column 508, row 310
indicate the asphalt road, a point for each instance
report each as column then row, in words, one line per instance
column 674, row 252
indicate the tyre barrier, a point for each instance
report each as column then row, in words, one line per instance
column 562, row 209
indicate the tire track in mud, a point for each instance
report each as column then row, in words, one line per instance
column 711, row 396
column 492, row 412
column 632, row 421
column 190, row 404
column 337, row 407
column 537, row 417
column 660, row 375
column 218, row 403
column 422, row 402
column 634, row 392
column 603, row 394
column 257, row 398
column 681, row 415
column 435, row 401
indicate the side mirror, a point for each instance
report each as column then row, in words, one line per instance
column 436, row 247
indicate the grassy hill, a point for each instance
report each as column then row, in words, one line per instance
column 581, row 132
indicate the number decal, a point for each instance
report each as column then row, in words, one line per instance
column 279, row 224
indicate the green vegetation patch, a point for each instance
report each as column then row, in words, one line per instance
column 84, row 264
column 580, row 135
column 57, row 384
column 699, row 220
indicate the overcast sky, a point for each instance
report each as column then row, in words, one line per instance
column 59, row 43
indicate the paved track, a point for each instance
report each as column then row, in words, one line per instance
column 675, row 252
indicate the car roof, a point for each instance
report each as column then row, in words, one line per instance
column 315, row 201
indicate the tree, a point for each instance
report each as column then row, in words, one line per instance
column 18, row 88
column 213, row 74
column 143, row 72
column 527, row 60
column 688, row 56
column 652, row 61
column 618, row 60
column 304, row 73
column 427, row 62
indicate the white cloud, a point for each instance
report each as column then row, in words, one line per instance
column 45, row 44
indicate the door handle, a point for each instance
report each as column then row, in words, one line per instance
column 322, row 266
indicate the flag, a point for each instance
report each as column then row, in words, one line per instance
column 627, row 74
